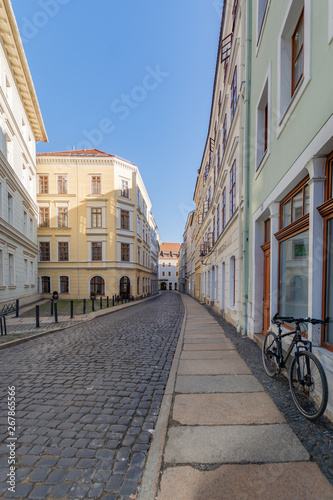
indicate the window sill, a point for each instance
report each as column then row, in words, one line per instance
column 2, row 287
column 12, row 287
column 299, row 91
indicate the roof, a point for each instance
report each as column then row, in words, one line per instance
column 170, row 247
column 13, row 47
column 83, row 153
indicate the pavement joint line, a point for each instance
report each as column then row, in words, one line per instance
column 151, row 479
column 96, row 314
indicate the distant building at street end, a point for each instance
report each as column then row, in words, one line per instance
column 21, row 125
column 96, row 230
column 168, row 266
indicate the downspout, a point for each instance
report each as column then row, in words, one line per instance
column 246, row 166
column 78, row 230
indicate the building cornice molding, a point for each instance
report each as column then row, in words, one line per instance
column 7, row 230
column 13, row 47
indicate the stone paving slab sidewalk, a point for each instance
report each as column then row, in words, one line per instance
column 220, row 435
column 22, row 329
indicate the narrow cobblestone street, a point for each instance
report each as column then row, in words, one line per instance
column 87, row 402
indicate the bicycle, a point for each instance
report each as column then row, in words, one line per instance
column 307, row 379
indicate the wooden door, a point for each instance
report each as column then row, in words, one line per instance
column 267, row 287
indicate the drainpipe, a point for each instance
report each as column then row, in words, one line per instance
column 246, row 165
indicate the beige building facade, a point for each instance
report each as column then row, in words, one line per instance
column 95, row 226
column 168, row 264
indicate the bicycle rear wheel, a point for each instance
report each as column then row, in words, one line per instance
column 308, row 385
column 269, row 354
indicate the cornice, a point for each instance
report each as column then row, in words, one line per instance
column 13, row 47
column 7, row 230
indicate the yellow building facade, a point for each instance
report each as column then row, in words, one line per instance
column 94, row 231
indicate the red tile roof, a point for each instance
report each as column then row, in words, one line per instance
column 170, row 247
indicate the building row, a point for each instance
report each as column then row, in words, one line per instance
column 260, row 240
column 74, row 222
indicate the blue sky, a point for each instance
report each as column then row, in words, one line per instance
column 131, row 78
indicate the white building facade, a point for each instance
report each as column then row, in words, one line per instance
column 21, row 125
column 168, row 266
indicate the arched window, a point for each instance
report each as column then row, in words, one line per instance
column 97, row 284
column 125, row 286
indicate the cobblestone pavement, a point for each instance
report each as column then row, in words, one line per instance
column 87, row 402
column 317, row 437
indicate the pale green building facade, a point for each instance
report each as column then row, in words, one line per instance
column 290, row 246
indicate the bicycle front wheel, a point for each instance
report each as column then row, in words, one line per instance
column 308, row 385
column 269, row 354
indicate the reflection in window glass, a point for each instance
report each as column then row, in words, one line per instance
column 297, row 206
column 329, row 284
column 286, row 213
column 294, row 272
column 306, row 199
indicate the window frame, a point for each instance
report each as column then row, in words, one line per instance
column 96, row 183
column 124, row 189
column 62, row 217
column 125, row 219
column 43, row 251
column 44, row 218
column 232, row 192
column 61, row 281
column 94, row 216
column 125, row 252
column 96, row 251
column 62, row 184
column 295, row 57
column 234, row 95
column 62, row 246
column 43, row 184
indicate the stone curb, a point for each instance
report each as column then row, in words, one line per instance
column 151, row 476
column 94, row 315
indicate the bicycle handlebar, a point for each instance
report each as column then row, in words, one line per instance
column 290, row 319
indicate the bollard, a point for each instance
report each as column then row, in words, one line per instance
column 107, row 302
column 51, row 307
column 55, row 312
column 72, row 309
column 101, row 303
column 92, row 304
column 84, row 306
column 4, row 325
column 113, row 300
column 17, row 307
column 37, row 316
column 1, row 326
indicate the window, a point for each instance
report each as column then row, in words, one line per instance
column 62, row 217
column 124, row 190
column 295, row 205
column 44, row 251
column 218, row 221
column 26, row 272
column 224, row 134
column 233, row 95
column 220, row 102
column 63, row 255
column 138, row 199
column 64, row 284
column 169, row 273
column 1, row 267
column 25, row 223
column 31, row 273
column 43, row 184
column 267, row 230
column 163, row 264
column 169, row 264
column 46, row 284
column 232, row 284
column 10, row 208
column 294, row 273
column 139, row 227
column 233, row 189
column 125, row 252
column 262, row 5
column 31, row 229
column 139, row 255
column 11, row 269
column 97, row 285
column 262, row 125
column 124, row 219
column 44, row 217
column 138, row 286
column 163, row 273
column 96, row 251
column 177, row 273
column 96, row 217
column 297, row 54
column 96, row 184
column 293, row 240
column 219, row 159
column 62, row 184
